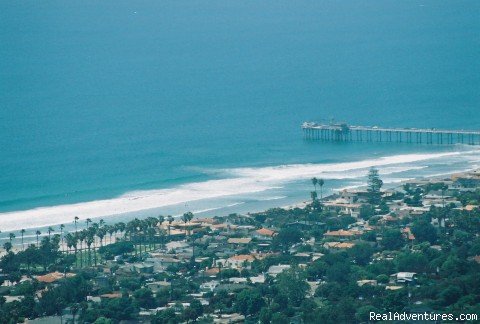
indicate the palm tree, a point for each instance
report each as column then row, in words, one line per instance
column 81, row 237
column 187, row 217
column 61, row 235
column 93, row 231
column 321, row 182
column 444, row 188
column 111, row 230
column 38, row 234
column 170, row 221
column 11, row 237
column 315, row 182
column 89, row 240
column 75, row 221
column 101, row 232
column 88, row 221
column 161, row 219
column 72, row 242
column 151, row 237
column 131, row 229
column 121, row 228
column 143, row 226
column 185, row 220
column 50, row 230
column 22, row 232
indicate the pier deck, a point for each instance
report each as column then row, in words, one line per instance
column 345, row 132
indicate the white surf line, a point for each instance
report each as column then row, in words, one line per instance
column 246, row 181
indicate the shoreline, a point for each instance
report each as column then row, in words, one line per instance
column 246, row 190
column 300, row 204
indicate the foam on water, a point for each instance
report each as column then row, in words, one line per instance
column 237, row 181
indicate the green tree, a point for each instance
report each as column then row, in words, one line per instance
column 412, row 262
column 366, row 211
column 424, row 231
column 144, row 298
column 374, row 186
column 7, row 246
column 315, row 182
column 363, row 313
column 103, row 320
column 392, row 239
column 167, row 316
column 321, row 182
column 292, row 283
column 279, row 318
column 249, row 302
column 361, row 253
column 287, row 237
column 22, row 232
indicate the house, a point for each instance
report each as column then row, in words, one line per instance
column 210, row 285
column 366, row 282
column 274, row 270
column 240, row 261
column 237, row 280
column 302, row 256
column 344, row 208
column 212, row 272
column 113, row 295
column 229, row 318
column 264, row 233
column 403, row 277
column 393, row 287
column 239, row 241
column 162, row 260
column 338, row 245
column 158, row 285
column 54, row 276
column 176, row 246
column 143, row 268
column 350, row 196
column 343, row 234
column 258, row 279
column 317, row 255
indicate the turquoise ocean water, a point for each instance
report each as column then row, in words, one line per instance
column 121, row 106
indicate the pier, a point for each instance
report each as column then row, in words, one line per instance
column 343, row 133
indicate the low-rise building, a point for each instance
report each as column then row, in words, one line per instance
column 275, row 270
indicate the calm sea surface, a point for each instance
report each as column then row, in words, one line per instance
column 102, row 99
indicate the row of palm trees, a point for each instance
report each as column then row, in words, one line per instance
column 143, row 233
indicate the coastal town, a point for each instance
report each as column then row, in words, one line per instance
column 413, row 248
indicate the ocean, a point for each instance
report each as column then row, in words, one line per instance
column 161, row 107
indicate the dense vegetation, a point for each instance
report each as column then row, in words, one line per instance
column 442, row 256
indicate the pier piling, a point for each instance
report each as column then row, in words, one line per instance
column 344, row 132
